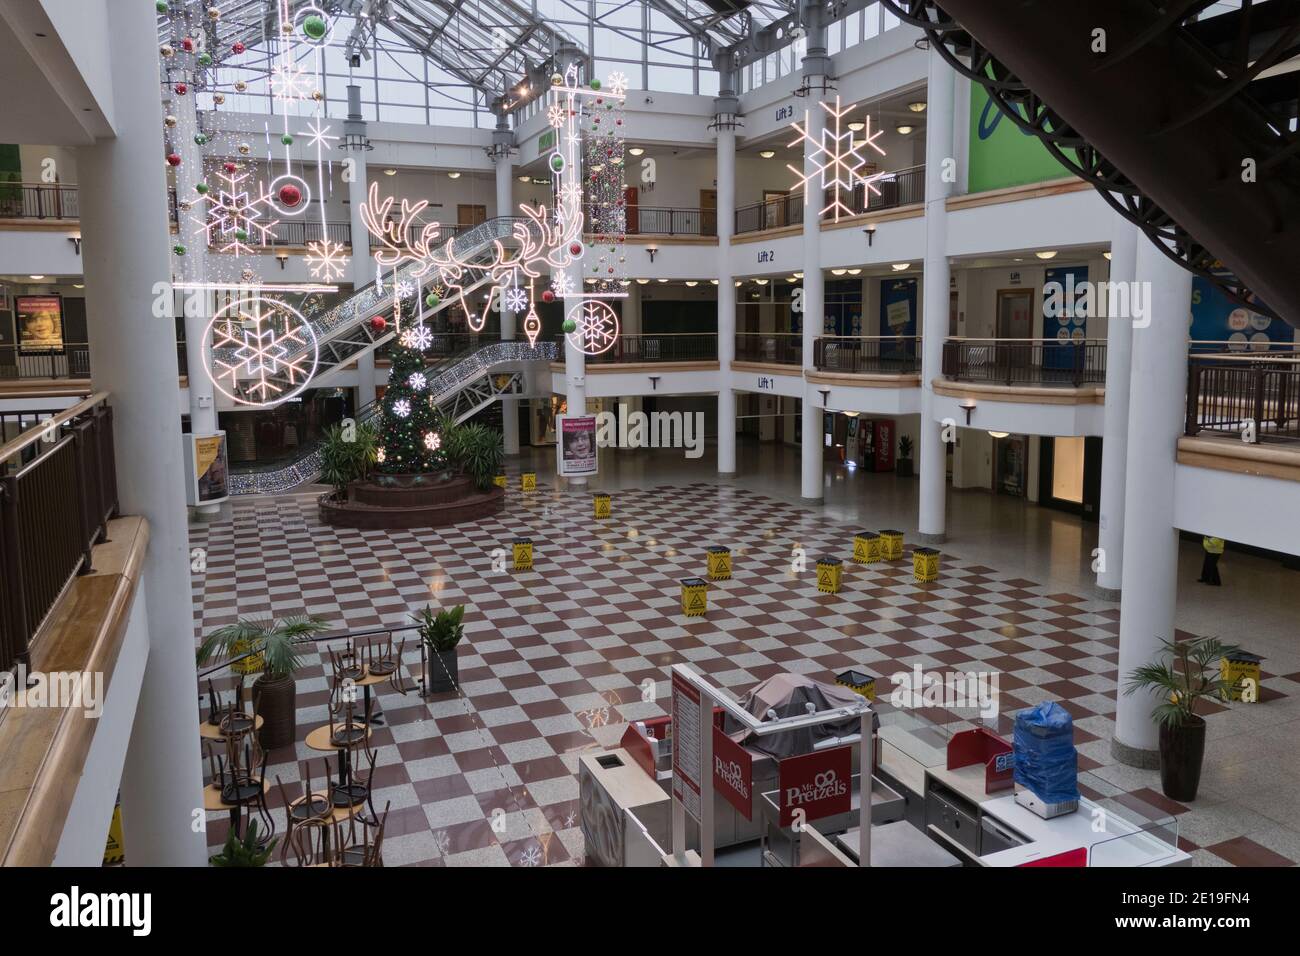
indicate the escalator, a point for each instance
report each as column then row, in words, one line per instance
column 1181, row 113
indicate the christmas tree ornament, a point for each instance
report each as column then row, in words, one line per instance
column 286, row 139
column 238, row 48
column 205, row 59
column 229, row 167
column 570, row 326
column 314, row 27
column 240, row 86
column 548, row 296
column 575, row 249
column 556, row 79
column 317, row 95
column 200, row 139
column 166, row 51
column 557, row 163
column 187, row 45
column 218, row 98
column 595, row 83
column 181, row 89
column 214, row 14
column 161, row 6
column 179, row 250
column 431, row 300
column 378, row 324
column 244, row 149
column 170, row 121
column 173, row 159
column 290, row 195
column 201, row 188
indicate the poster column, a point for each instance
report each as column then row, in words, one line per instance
column 725, row 107
column 1114, row 452
column 814, row 311
column 133, row 357
column 1157, row 387
column 503, row 139
column 932, row 455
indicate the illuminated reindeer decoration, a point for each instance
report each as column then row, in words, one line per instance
column 395, row 236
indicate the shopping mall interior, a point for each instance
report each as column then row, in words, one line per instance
column 895, row 384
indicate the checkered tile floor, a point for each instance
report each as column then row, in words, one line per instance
column 557, row 657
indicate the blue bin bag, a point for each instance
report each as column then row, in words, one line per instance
column 1046, row 761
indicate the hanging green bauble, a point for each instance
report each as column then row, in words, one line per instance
column 161, row 6
column 431, row 300
column 286, row 139
column 595, row 84
column 315, row 27
column 569, row 326
column 557, row 163
column 179, row 250
column 200, row 139
column 241, row 235
column 201, row 188
column 205, row 59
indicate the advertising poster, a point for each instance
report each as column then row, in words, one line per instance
column 575, row 447
column 898, row 318
column 816, row 785
column 211, row 467
column 1068, row 324
column 1216, row 318
column 733, row 773
column 686, row 744
column 1001, row 153
column 40, row 322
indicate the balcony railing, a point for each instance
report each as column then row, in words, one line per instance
column 295, row 232
column 901, row 187
column 667, row 347
column 58, row 489
column 665, row 221
column 38, row 201
column 1226, row 393
column 70, row 362
column 888, row 355
column 774, row 348
column 1025, row 361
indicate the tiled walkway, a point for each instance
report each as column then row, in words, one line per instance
column 556, row 658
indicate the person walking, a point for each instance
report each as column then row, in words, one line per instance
column 1210, row 569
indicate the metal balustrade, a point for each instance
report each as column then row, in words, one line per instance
column 1229, row 392
column 38, row 201
column 671, row 221
column 667, row 347
column 773, row 348
column 902, row 187
column 72, row 361
column 1025, row 361
column 888, row 355
column 58, row 490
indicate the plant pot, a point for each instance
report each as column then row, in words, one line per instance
column 440, row 673
column 1181, row 751
column 903, row 467
column 275, row 700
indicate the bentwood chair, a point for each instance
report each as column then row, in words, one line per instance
column 359, row 841
column 310, row 844
column 308, row 805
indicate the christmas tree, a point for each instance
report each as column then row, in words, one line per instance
column 409, row 439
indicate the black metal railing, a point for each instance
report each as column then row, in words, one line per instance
column 778, row 348
column 58, row 490
column 296, row 232
column 902, row 187
column 1025, row 361
column 672, row 347
column 666, row 221
column 38, row 201
column 1229, row 394
column 71, row 362
column 888, row 355
column 413, row 233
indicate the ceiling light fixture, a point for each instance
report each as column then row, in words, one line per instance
column 998, row 434
column 1106, row 256
column 525, row 179
column 857, row 126
column 642, row 281
column 767, row 153
column 453, row 175
column 900, row 266
column 1046, row 254
column 692, row 283
column 390, row 172
column 855, row 272
column 917, row 107
column 36, row 278
column 636, row 150
column 904, row 129
column 838, row 272
column 713, row 281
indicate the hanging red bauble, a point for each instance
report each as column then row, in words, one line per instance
column 575, row 248
column 609, row 152
column 187, row 45
column 290, row 195
column 548, row 296
column 378, row 324
column 238, row 47
column 229, row 167
column 173, row 159
column 181, row 89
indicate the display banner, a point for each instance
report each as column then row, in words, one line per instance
column 733, row 773
column 819, row 784
column 1216, row 318
column 40, row 322
column 1065, row 319
column 1001, row 154
column 686, row 744
column 211, row 467
column 575, row 447
column 898, row 318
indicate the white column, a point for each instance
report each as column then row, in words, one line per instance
column 362, row 266
column 505, row 207
column 1157, row 390
column 133, row 357
column 932, row 455
column 1114, row 452
column 814, row 307
column 726, row 217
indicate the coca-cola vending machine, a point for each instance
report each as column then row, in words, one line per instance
column 883, row 440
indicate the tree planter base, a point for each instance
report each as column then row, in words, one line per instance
column 1182, row 750
column 410, row 501
column 276, row 702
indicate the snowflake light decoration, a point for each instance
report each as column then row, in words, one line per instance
column 562, row 284
column 290, row 82
column 259, row 352
column 417, row 337
column 234, row 217
column 555, row 115
column 531, row 857
column 326, row 259
column 596, row 327
column 417, row 381
column 402, row 408
column 404, row 288
column 515, row 299
column 432, row 441
column 616, row 83
column 380, row 455
column 836, row 163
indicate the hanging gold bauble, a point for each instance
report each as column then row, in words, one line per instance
column 218, row 98
column 167, row 51
column 240, row 86
column 214, row 14
column 169, row 122
column 244, row 149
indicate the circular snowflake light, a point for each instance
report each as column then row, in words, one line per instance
column 417, row 337
column 326, row 259
column 516, row 300
column 417, row 381
column 402, row 408
column 259, row 351
column 432, row 441
column 595, row 327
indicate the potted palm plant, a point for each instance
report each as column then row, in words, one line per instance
column 346, row 455
column 440, row 631
column 278, row 644
column 903, row 467
column 1182, row 674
